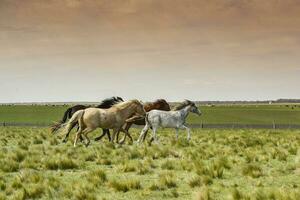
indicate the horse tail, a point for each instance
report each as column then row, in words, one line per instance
column 57, row 125
column 76, row 118
column 67, row 115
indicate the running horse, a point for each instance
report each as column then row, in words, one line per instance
column 159, row 104
column 169, row 119
column 106, row 103
column 112, row 118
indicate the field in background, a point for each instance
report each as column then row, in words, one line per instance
column 237, row 114
column 216, row 164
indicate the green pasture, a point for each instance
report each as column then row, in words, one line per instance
column 238, row 114
column 215, row 164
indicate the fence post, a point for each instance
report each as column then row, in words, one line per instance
column 4, row 124
column 274, row 125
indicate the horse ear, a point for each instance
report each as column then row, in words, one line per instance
column 187, row 100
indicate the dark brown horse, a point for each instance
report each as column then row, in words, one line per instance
column 159, row 104
column 106, row 103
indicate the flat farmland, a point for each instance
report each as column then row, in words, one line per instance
column 216, row 164
column 238, row 114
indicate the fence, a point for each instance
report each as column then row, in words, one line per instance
column 202, row 125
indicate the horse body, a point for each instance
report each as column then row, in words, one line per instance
column 111, row 118
column 106, row 103
column 159, row 104
column 169, row 119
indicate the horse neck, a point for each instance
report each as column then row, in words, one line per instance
column 154, row 106
column 129, row 110
column 185, row 111
column 148, row 106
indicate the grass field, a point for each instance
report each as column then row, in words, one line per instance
column 242, row 114
column 216, row 164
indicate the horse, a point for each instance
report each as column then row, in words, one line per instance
column 169, row 119
column 111, row 118
column 106, row 103
column 159, row 104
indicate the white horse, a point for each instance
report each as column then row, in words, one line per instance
column 169, row 119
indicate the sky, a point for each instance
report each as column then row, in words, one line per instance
column 87, row 50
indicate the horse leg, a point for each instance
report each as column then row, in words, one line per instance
column 80, row 136
column 126, row 133
column 127, row 126
column 145, row 129
column 115, row 131
column 188, row 131
column 108, row 134
column 78, row 133
column 145, row 135
column 118, row 137
column 154, row 135
column 101, row 136
column 85, row 132
column 69, row 130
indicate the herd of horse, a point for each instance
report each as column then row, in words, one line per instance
column 118, row 115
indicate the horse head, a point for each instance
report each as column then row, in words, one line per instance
column 194, row 108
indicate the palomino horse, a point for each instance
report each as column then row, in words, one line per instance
column 111, row 118
column 159, row 104
column 169, row 119
column 106, row 103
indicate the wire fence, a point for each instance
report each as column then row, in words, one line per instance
column 202, row 125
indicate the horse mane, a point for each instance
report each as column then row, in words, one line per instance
column 125, row 103
column 183, row 105
column 156, row 101
column 109, row 102
column 160, row 100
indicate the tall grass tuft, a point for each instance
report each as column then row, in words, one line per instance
column 203, row 194
column 96, row 177
column 60, row 163
column 167, row 180
column 195, row 182
column 125, row 186
column 252, row 170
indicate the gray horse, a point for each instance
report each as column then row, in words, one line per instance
column 169, row 119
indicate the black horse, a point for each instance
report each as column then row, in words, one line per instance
column 106, row 103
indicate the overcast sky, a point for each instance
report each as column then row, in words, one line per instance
column 87, row 50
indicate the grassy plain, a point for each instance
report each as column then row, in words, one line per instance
column 216, row 164
column 242, row 114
